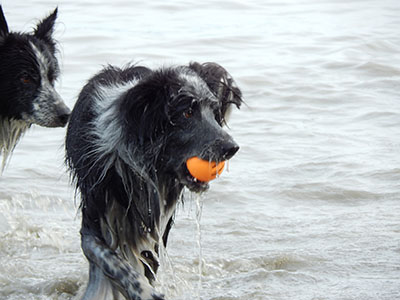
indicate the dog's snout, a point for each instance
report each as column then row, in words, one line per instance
column 229, row 150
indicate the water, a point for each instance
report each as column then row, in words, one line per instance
column 310, row 206
column 199, row 210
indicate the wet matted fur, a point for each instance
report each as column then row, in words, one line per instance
column 130, row 134
column 28, row 70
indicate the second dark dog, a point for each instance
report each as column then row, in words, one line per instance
column 28, row 70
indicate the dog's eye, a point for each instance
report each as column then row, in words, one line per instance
column 188, row 113
column 25, row 79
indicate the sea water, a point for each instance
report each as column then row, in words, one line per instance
column 310, row 207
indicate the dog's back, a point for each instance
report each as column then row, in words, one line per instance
column 91, row 143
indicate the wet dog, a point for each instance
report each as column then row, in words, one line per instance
column 28, row 70
column 129, row 136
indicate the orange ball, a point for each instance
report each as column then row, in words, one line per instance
column 204, row 170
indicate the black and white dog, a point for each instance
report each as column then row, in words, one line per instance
column 130, row 134
column 28, row 70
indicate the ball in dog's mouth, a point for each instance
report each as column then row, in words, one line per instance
column 204, row 170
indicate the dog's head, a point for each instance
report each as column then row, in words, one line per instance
column 179, row 113
column 28, row 70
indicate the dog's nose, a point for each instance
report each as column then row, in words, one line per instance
column 63, row 114
column 64, row 119
column 229, row 150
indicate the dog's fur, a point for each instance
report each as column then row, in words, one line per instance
column 28, row 70
column 130, row 134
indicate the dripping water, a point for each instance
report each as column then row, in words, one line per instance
column 199, row 210
column 167, row 278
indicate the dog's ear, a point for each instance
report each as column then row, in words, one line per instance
column 145, row 111
column 45, row 29
column 221, row 84
column 3, row 26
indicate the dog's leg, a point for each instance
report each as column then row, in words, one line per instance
column 130, row 283
column 99, row 287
